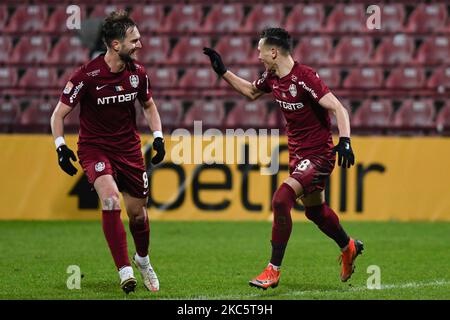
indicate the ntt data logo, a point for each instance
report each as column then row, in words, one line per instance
column 213, row 147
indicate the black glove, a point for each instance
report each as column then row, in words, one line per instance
column 216, row 61
column 64, row 156
column 345, row 152
column 158, row 145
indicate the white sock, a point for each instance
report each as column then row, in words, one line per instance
column 276, row 268
column 142, row 260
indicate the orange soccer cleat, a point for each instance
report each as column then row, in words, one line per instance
column 268, row 278
column 347, row 258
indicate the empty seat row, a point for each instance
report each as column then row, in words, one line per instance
column 236, row 17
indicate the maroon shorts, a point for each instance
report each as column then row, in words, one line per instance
column 311, row 170
column 127, row 170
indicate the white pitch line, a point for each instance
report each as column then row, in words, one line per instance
column 352, row 289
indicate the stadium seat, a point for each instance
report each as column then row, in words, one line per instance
column 247, row 114
column 39, row 78
column 351, row 50
column 33, row 49
column 396, row 50
column 27, row 18
column 101, row 10
column 62, row 80
column 366, row 78
column 234, row 49
column 148, row 17
column 373, row 115
column 9, row 112
column 443, row 119
column 313, row 50
column 405, row 78
column 435, row 50
column 331, row 77
column 224, row 18
column 57, row 22
column 248, row 73
column 170, row 111
column 427, row 17
column 189, row 50
column 392, row 17
column 415, row 115
column 346, row 17
column 211, row 113
column 183, row 17
column 3, row 16
column 69, row 50
column 163, row 77
column 36, row 117
column 6, row 45
column 8, row 77
column 155, row 49
column 304, row 18
column 197, row 78
column 440, row 80
column 263, row 16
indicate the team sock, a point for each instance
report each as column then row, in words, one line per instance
column 140, row 229
column 116, row 237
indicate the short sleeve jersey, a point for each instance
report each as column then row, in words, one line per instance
column 107, row 104
column 298, row 94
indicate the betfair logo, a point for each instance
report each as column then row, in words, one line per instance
column 117, row 99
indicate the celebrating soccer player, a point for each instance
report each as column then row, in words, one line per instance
column 109, row 147
column 305, row 101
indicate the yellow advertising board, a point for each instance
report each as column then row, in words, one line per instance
column 394, row 178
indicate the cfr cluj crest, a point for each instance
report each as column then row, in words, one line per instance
column 134, row 81
column 293, row 90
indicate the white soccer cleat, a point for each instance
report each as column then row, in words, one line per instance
column 149, row 276
column 127, row 280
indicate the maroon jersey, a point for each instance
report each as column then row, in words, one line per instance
column 308, row 124
column 107, row 112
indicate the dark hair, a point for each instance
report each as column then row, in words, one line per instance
column 277, row 37
column 115, row 26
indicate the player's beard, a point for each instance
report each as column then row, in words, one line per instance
column 126, row 57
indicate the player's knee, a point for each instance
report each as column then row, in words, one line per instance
column 314, row 213
column 111, row 202
column 280, row 201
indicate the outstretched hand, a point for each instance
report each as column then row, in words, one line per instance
column 216, row 61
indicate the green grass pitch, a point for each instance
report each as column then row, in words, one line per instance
column 215, row 260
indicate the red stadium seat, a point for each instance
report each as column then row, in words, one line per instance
column 427, row 17
column 234, row 49
column 313, row 50
column 248, row 73
column 392, row 17
column 366, row 78
column 33, row 49
column 440, row 80
column 303, row 18
column 69, row 50
column 197, row 78
column 39, row 78
column 155, row 49
column 415, row 114
column 443, row 119
column 62, row 80
column 101, row 10
column 163, row 77
column 330, row 76
column 36, row 117
column 346, row 17
column 263, row 16
column 6, row 45
column 170, row 112
column 351, row 50
column 190, row 50
column 398, row 49
column 435, row 50
column 148, row 17
column 3, row 16
column 8, row 77
column 27, row 18
column 373, row 114
column 9, row 112
column 247, row 114
column 406, row 78
column 224, row 18
column 57, row 22
column 183, row 17
column 210, row 113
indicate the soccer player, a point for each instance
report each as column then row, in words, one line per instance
column 109, row 147
column 305, row 102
